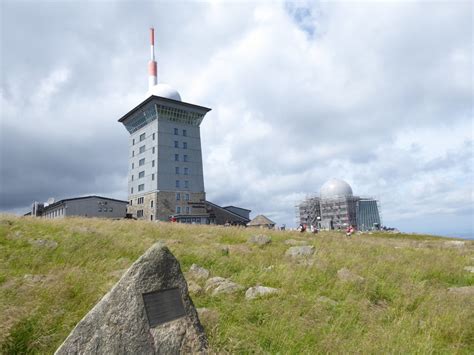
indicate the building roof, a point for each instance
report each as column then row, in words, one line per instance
column 164, row 90
column 334, row 188
column 153, row 97
column 226, row 210
column 82, row 198
column 240, row 208
column 260, row 220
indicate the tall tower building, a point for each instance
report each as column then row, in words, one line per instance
column 165, row 174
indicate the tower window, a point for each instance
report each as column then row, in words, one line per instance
column 133, row 153
column 185, row 145
column 187, row 210
column 186, row 197
column 133, row 141
column 178, row 209
column 132, row 177
column 153, row 136
column 142, row 149
column 133, row 165
column 141, row 187
column 153, row 176
column 140, row 213
column 131, row 190
column 176, row 170
column 141, row 200
column 131, row 202
column 151, row 203
column 175, row 131
column 142, row 137
column 185, row 157
column 176, row 144
column 176, row 157
column 186, row 184
column 153, row 150
column 141, row 174
column 152, row 163
column 141, row 162
column 185, row 133
column 177, row 183
column 178, row 196
column 186, row 170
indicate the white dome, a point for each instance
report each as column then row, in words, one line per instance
column 164, row 90
column 335, row 188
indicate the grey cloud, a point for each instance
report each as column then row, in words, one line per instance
column 334, row 101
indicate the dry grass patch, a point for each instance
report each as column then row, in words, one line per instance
column 402, row 305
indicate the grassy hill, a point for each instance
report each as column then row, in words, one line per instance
column 52, row 272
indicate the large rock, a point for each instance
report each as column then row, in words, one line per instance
column 347, row 275
column 302, row 251
column 294, row 242
column 469, row 268
column 197, row 272
column 147, row 312
column 43, row 243
column 259, row 291
column 217, row 285
column 260, row 239
column 463, row 290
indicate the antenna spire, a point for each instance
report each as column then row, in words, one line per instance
column 152, row 66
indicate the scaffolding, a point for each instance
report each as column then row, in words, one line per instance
column 339, row 213
column 308, row 211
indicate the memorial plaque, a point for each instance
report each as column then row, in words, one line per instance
column 163, row 306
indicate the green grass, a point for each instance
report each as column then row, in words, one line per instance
column 402, row 306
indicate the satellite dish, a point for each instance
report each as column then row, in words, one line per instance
column 50, row 201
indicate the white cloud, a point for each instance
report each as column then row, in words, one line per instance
column 379, row 94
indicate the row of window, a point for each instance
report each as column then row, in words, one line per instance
column 55, row 213
column 141, row 201
column 142, row 138
column 141, row 187
column 185, row 170
column 178, row 209
column 185, row 157
column 185, row 145
column 105, row 209
column 141, row 162
column 176, row 132
column 142, row 150
column 141, row 175
column 186, row 184
column 185, row 196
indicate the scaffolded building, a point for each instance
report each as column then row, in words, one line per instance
column 337, row 208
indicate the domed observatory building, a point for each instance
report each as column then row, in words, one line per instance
column 338, row 205
column 165, row 173
column 337, row 208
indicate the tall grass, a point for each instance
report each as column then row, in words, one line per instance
column 401, row 306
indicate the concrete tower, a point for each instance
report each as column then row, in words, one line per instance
column 165, row 161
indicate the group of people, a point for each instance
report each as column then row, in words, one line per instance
column 303, row 228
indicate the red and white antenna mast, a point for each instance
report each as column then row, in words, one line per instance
column 152, row 67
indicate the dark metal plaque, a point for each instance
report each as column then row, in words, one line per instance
column 163, row 306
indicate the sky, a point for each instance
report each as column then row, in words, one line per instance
column 379, row 94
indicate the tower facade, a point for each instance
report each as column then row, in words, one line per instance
column 165, row 173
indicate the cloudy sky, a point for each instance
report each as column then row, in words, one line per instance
column 376, row 93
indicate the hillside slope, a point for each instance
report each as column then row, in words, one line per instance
column 53, row 272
